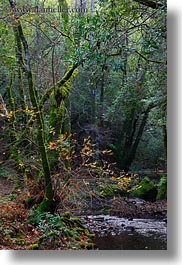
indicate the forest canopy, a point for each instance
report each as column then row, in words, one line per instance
column 82, row 92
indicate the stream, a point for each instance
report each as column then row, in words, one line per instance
column 115, row 233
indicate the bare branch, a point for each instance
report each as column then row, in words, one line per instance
column 149, row 60
column 151, row 4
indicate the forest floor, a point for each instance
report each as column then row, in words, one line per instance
column 12, row 217
column 16, row 233
column 49, row 232
column 129, row 208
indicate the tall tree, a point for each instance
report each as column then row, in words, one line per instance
column 20, row 37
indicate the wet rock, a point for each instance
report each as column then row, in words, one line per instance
column 99, row 219
column 130, row 228
column 136, row 201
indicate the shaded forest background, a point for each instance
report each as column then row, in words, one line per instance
column 82, row 96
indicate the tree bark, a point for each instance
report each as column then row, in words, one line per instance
column 48, row 195
column 132, row 141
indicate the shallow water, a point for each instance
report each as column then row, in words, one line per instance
column 117, row 233
column 127, row 241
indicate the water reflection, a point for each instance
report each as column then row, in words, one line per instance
column 132, row 241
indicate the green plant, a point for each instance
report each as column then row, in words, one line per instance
column 105, row 190
column 146, row 190
column 162, row 188
column 59, row 228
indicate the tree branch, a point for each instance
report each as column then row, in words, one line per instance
column 152, row 4
column 60, row 83
column 149, row 60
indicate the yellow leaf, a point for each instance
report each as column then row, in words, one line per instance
column 125, row 179
column 52, row 145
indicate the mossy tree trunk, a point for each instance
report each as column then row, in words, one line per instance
column 11, row 118
column 48, row 194
column 48, row 197
column 59, row 121
column 56, row 119
column 67, row 131
column 21, row 69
